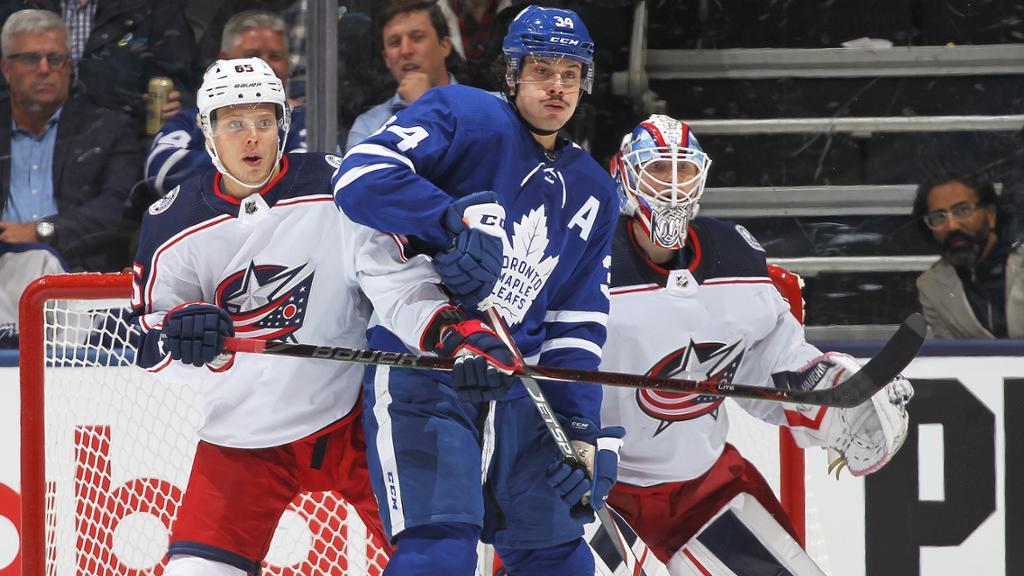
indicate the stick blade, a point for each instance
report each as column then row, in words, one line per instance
column 892, row 359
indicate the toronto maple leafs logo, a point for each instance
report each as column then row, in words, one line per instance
column 267, row 301
column 711, row 361
column 525, row 268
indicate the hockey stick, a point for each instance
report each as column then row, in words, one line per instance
column 872, row 377
column 558, row 435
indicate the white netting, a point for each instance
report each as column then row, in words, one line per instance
column 118, row 449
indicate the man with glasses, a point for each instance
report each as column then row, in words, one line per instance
column 66, row 166
column 976, row 290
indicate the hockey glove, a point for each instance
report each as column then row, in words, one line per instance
column 484, row 365
column 472, row 265
column 194, row 333
column 598, row 450
column 863, row 438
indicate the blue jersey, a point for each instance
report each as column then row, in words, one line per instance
column 561, row 210
column 179, row 149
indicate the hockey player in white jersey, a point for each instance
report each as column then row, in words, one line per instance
column 259, row 250
column 693, row 295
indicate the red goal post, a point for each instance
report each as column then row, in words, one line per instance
column 324, row 538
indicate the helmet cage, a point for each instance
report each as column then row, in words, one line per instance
column 649, row 168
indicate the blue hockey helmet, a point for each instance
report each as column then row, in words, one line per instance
column 551, row 32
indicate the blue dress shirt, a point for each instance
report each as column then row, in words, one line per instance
column 31, row 197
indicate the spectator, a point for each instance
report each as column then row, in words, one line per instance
column 118, row 45
column 472, row 23
column 976, row 290
column 66, row 167
column 416, row 43
column 178, row 151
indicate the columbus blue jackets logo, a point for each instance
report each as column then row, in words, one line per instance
column 711, row 361
column 267, row 301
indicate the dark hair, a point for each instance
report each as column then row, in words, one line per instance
column 396, row 7
column 984, row 189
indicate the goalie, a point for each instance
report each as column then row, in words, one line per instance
column 693, row 298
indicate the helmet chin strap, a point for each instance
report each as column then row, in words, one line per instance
column 212, row 150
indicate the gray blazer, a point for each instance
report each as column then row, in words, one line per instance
column 945, row 305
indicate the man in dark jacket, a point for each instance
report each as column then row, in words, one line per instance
column 66, row 167
column 127, row 43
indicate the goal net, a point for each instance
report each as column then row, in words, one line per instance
column 115, row 447
column 107, row 448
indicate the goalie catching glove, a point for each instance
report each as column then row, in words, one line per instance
column 598, row 451
column 863, row 438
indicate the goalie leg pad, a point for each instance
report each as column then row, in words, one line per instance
column 180, row 565
column 743, row 539
column 668, row 515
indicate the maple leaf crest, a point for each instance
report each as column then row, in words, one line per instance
column 526, row 268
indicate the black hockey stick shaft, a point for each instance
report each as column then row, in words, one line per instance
column 886, row 365
column 547, row 414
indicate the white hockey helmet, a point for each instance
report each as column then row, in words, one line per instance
column 241, row 81
column 661, row 171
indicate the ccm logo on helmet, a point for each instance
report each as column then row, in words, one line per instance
column 569, row 41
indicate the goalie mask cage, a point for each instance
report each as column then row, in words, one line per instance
column 106, row 451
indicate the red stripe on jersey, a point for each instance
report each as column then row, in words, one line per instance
column 696, row 563
column 174, row 240
column 630, row 289
column 267, row 186
column 306, row 200
column 722, row 281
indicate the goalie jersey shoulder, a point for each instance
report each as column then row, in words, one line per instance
column 715, row 249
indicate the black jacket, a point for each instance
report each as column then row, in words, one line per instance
column 131, row 41
column 96, row 164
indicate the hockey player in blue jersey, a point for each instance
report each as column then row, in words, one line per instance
column 517, row 218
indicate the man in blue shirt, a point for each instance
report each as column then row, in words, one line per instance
column 416, row 44
column 66, row 167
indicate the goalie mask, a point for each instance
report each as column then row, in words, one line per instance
column 661, row 171
column 237, row 82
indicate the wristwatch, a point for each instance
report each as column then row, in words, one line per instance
column 45, row 231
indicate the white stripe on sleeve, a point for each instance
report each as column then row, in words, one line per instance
column 576, row 316
column 581, row 343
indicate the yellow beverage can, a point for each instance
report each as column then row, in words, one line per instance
column 159, row 88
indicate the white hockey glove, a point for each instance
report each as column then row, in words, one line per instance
column 863, row 438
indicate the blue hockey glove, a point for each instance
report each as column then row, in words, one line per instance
column 472, row 265
column 484, row 365
column 598, row 450
column 194, row 333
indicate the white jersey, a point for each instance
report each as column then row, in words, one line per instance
column 719, row 315
column 287, row 265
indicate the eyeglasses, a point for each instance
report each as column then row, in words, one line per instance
column 234, row 126
column 32, row 59
column 940, row 218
